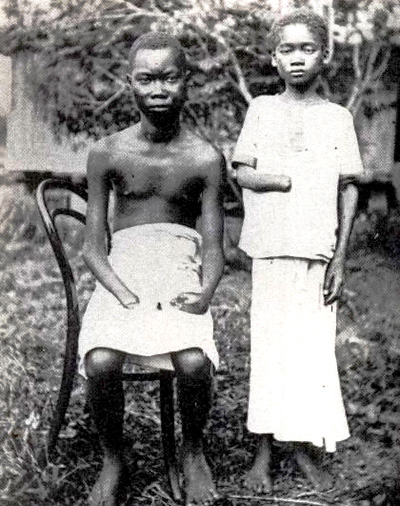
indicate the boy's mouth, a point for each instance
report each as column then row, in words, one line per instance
column 159, row 107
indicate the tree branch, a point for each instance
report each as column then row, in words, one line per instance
column 359, row 82
column 356, row 61
column 325, row 86
column 377, row 74
column 241, row 81
column 373, row 55
column 357, row 77
column 113, row 97
column 353, row 97
column 371, row 74
column 110, row 75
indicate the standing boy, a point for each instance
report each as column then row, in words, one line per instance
column 290, row 155
column 153, row 292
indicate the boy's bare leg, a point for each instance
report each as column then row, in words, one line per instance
column 319, row 478
column 106, row 398
column 258, row 479
column 194, row 379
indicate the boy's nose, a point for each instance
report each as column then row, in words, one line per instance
column 297, row 59
column 159, row 88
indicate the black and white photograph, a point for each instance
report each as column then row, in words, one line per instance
column 199, row 252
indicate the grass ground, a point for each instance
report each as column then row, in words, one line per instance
column 31, row 336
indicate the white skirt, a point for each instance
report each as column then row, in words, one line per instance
column 157, row 262
column 294, row 383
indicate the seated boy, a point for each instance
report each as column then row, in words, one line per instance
column 153, row 292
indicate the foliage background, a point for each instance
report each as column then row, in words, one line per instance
column 81, row 57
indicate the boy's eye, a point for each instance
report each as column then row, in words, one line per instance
column 144, row 79
column 172, row 79
column 310, row 49
column 285, row 49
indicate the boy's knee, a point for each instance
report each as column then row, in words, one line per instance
column 192, row 364
column 102, row 362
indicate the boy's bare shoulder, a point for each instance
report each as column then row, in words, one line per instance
column 204, row 152
column 208, row 161
column 106, row 145
column 103, row 150
column 98, row 158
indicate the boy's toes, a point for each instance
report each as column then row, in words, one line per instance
column 199, row 486
column 259, row 485
column 264, row 487
column 207, row 500
column 212, row 497
column 215, row 494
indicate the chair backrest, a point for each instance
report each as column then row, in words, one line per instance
column 49, row 221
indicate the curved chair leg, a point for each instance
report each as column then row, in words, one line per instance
column 67, row 382
column 168, row 432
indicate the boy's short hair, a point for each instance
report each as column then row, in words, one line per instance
column 157, row 40
column 317, row 25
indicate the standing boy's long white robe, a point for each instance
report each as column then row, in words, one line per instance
column 295, row 392
column 294, row 386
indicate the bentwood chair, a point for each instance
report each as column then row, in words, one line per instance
column 165, row 378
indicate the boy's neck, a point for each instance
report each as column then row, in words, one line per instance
column 301, row 93
column 160, row 131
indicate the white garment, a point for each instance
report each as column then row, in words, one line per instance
column 312, row 143
column 294, row 384
column 157, row 262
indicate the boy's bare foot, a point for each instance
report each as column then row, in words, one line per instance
column 199, row 485
column 107, row 487
column 320, row 479
column 258, row 479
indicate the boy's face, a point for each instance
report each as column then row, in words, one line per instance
column 158, row 82
column 299, row 55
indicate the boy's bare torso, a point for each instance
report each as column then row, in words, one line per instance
column 156, row 181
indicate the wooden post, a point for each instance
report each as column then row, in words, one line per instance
column 396, row 154
column 5, row 85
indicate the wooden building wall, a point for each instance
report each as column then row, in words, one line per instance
column 376, row 135
column 31, row 145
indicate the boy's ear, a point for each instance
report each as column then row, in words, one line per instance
column 325, row 56
column 273, row 59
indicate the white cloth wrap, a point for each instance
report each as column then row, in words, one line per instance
column 157, row 262
column 294, row 385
